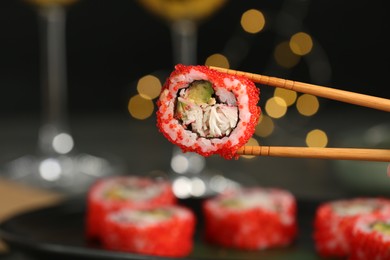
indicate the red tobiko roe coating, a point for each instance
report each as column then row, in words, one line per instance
column 171, row 237
column 369, row 243
column 226, row 150
column 252, row 228
column 332, row 230
column 99, row 204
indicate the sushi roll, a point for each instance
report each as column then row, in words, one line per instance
column 208, row 112
column 114, row 193
column 334, row 221
column 251, row 219
column 371, row 239
column 160, row 231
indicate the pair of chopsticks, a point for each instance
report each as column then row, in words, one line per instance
column 325, row 92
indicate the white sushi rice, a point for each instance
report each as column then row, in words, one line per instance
column 143, row 218
column 130, row 188
column 276, row 201
column 351, row 208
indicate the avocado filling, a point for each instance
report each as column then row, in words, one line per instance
column 232, row 203
column 130, row 191
column 381, row 227
column 251, row 200
column 201, row 110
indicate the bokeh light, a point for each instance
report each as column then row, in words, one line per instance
column 276, row 107
column 219, row 183
column 316, row 138
column 265, row 127
column 139, row 107
column 179, row 163
column 50, row 169
column 149, row 87
column 284, row 57
column 252, row 21
column 307, row 104
column 301, row 43
column 289, row 96
column 251, row 142
column 198, row 187
column 182, row 187
column 218, row 60
column 63, row 143
column 177, row 10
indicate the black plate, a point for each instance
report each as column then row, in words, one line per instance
column 57, row 232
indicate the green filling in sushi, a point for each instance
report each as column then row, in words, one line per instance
column 232, row 203
column 200, row 91
column 199, row 109
column 382, row 227
column 122, row 192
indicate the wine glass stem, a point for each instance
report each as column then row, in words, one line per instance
column 184, row 41
column 53, row 69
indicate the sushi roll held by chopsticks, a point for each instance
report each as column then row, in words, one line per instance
column 208, row 112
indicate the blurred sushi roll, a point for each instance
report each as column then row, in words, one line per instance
column 371, row 239
column 160, row 231
column 114, row 193
column 208, row 112
column 251, row 219
column 334, row 221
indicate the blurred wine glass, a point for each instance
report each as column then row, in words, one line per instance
column 56, row 164
column 183, row 17
column 192, row 177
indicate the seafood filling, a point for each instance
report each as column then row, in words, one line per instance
column 207, row 113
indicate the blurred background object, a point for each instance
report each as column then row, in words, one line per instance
column 114, row 47
column 56, row 164
column 361, row 178
column 189, row 172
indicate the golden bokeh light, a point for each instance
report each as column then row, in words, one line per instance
column 284, row 57
column 179, row 10
column 276, row 107
column 265, row 127
column 301, row 43
column 251, row 142
column 316, row 138
column 307, row 104
column 217, row 60
column 149, row 87
column 139, row 107
column 289, row 96
column 252, row 21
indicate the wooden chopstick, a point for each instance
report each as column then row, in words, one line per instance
column 382, row 155
column 325, row 92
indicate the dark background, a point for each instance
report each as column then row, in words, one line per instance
column 110, row 44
